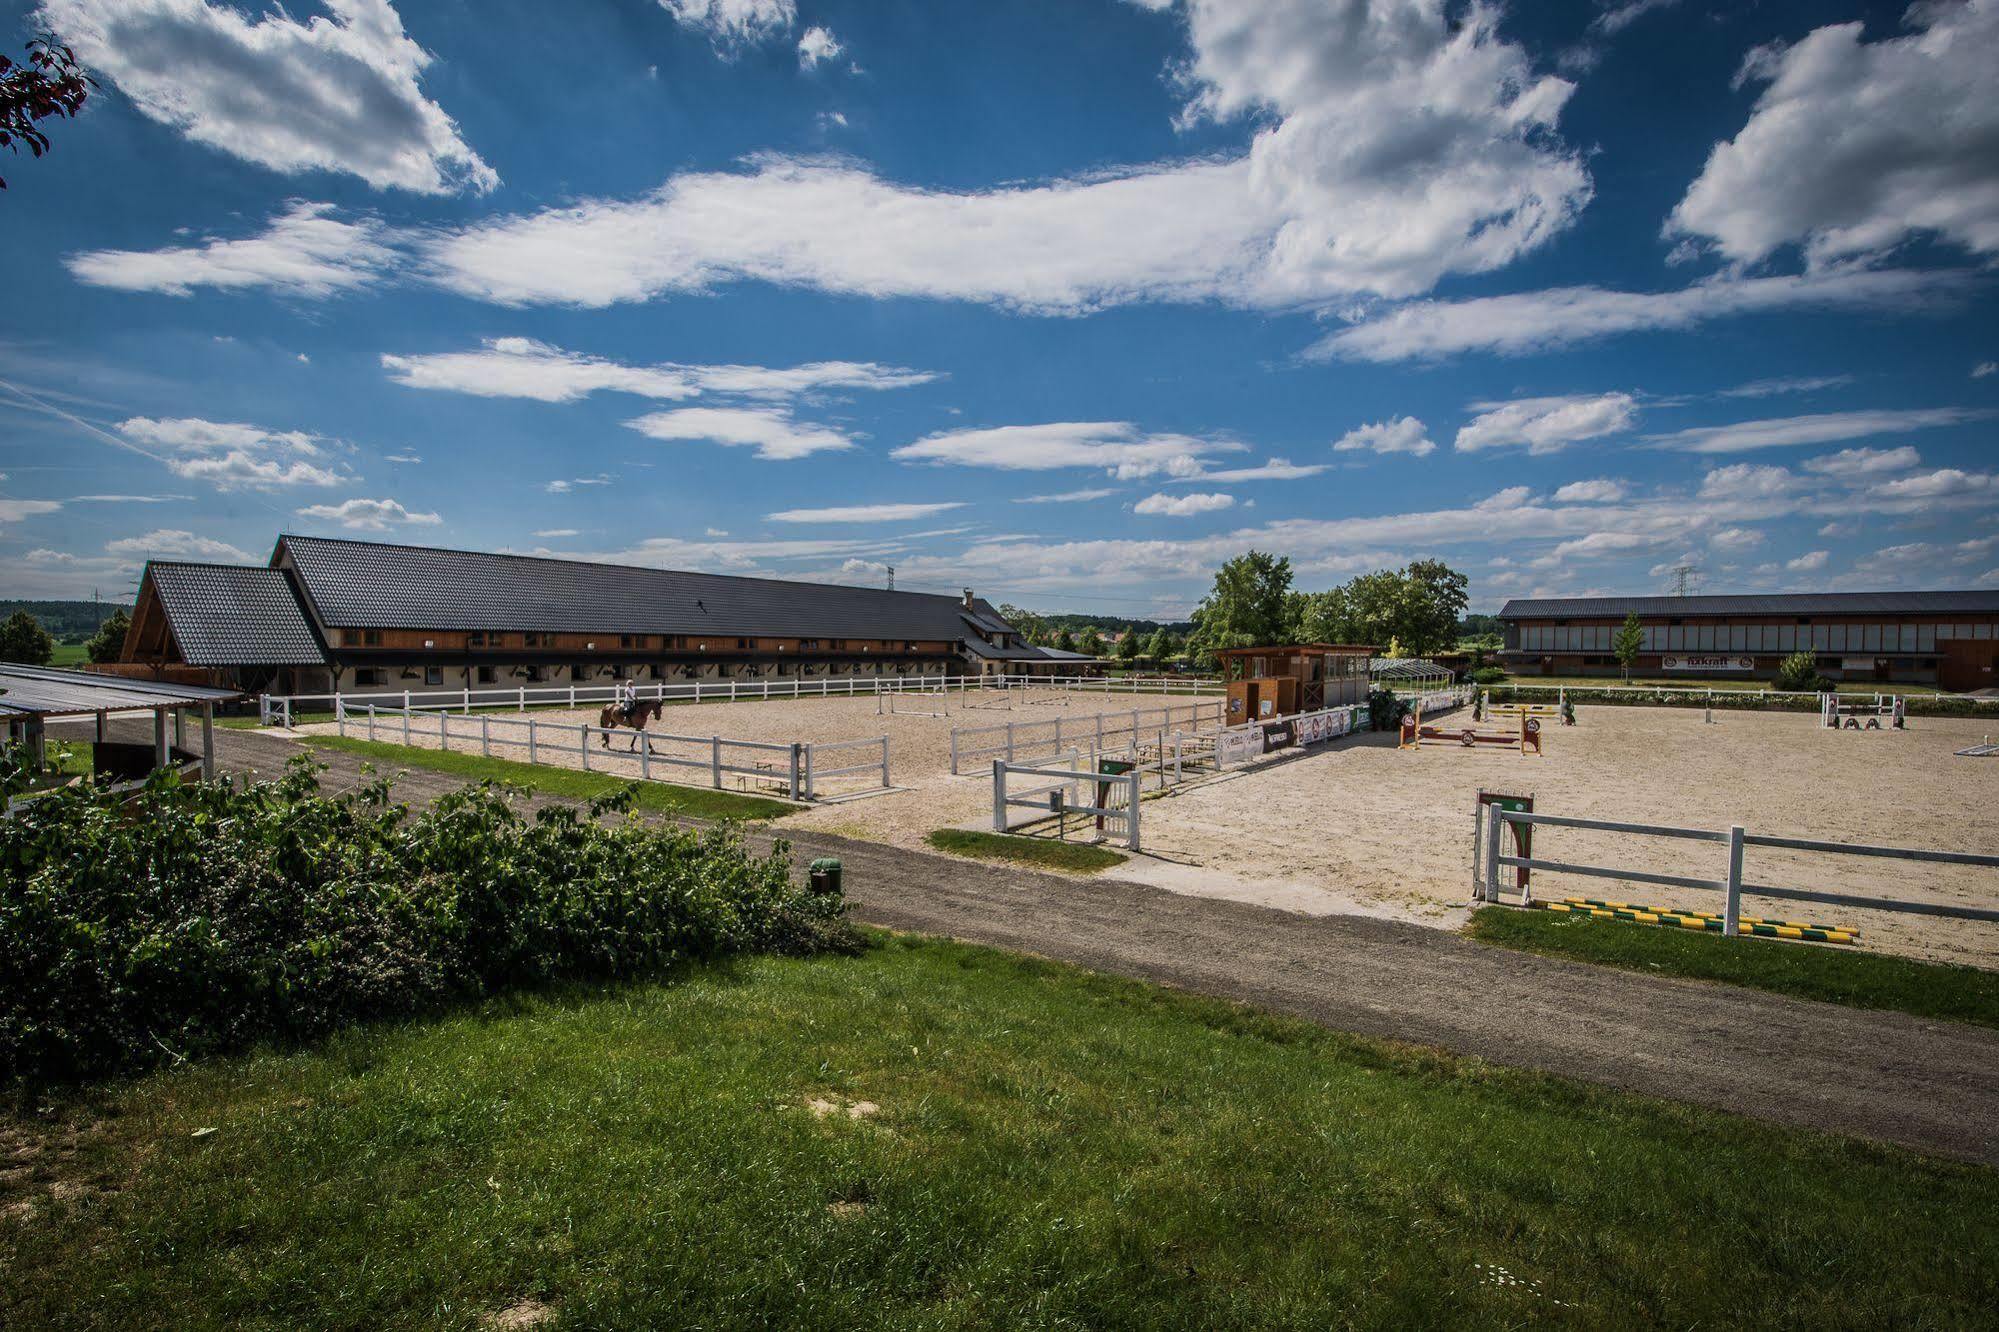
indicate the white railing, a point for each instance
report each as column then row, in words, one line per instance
column 797, row 769
column 1731, row 884
column 1237, row 745
column 1014, row 741
column 281, row 709
column 1058, row 797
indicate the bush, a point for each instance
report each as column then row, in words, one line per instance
column 1384, row 709
column 1488, row 675
column 1799, row 673
column 193, row 918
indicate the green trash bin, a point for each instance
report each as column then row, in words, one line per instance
column 823, row 875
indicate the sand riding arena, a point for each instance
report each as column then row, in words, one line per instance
column 1358, row 824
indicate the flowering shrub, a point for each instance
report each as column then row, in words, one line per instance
column 192, row 917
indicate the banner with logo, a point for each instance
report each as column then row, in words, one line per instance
column 1708, row 662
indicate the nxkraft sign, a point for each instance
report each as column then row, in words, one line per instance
column 1707, row 663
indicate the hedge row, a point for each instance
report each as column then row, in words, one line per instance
column 1747, row 700
column 193, row 917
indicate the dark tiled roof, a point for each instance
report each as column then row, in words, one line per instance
column 1800, row 603
column 38, row 690
column 233, row 615
column 978, row 647
column 365, row 584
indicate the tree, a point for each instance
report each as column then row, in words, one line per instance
column 1160, row 646
column 1250, row 605
column 1129, row 647
column 109, row 641
column 50, row 84
column 1092, row 642
column 1629, row 642
column 1436, row 599
column 23, row 639
column 1065, row 641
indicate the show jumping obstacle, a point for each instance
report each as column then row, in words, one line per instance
column 1882, row 712
column 1560, row 710
column 1526, row 737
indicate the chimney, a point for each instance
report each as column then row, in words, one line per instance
column 968, row 598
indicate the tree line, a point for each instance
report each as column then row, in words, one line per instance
column 1416, row 611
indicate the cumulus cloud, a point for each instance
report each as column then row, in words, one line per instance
column 239, row 470
column 1864, row 462
column 1275, row 469
column 1747, row 482
column 1534, row 321
column 369, row 515
column 14, row 510
column 568, row 485
column 817, row 46
column 1117, row 447
column 333, row 94
column 175, row 543
column 1183, row 506
column 1546, row 425
column 191, row 434
column 1402, row 434
column 733, row 23
column 1855, row 146
column 1397, row 145
column 1821, row 428
column 1984, row 368
column 303, row 252
column 1600, row 491
column 1809, row 562
column 231, row 455
column 862, row 513
column 771, row 431
column 1944, row 483
column 1733, row 540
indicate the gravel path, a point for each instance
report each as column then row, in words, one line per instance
column 1929, row 1085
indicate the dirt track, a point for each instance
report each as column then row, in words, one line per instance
column 1932, row 1086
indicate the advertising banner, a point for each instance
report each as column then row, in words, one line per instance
column 1708, row 662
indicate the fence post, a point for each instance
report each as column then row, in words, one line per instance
column 406, row 722
column 1009, row 738
column 715, row 762
column 1731, row 911
column 801, row 761
column 468, row 700
column 1137, row 791
column 885, row 781
column 531, row 754
column 485, row 735
column 645, row 758
column 954, row 752
column 371, row 721
column 583, row 745
column 523, row 704
column 444, row 730
column 406, row 700
column 999, row 795
column 1494, row 818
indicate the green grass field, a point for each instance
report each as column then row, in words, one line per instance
column 1836, row 974
column 941, row 1136
column 1683, row 682
column 69, row 654
column 1038, row 852
column 658, row 797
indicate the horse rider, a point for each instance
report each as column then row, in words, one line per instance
column 628, row 702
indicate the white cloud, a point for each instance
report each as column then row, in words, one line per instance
column 817, row 46
column 303, row 252
column 1770, row 388
column 239, row 470
column 555, row 533
column 1398, row 145
column 862, row 513
column 771, row 431
column 1732, row 540
column 407, row 459
column 1403, row 434
column 525, row 368
column 14, row 510
column 733, row 23
column 1118, row 447
column 369, row 515
column 1822, row 428
column 1747, row 482
column 1853, row 146
column 1546, row 425
column 335, row 94
column 1183, row 506
column 1984, row 368
column 1067, row 497
column 231, row 455
column 173, row 543
column 568, row 485
column 191, row 434
column 1809, row 562
column 1534, row 321
column 1512, row 497
column 1599, row 491
column 1275, row 469
column 1864, row 462
column 1944, row 483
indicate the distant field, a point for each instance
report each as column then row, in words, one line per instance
column 69, row 654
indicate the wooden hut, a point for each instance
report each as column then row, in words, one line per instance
column 1269, row 682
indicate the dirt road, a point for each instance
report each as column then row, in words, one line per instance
column 1929, row 1085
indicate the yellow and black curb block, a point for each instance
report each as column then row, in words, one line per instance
column 1699, row 920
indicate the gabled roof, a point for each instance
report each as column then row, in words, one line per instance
column 234, row 615
column 1797, row 603
column 366, row 584
column 40, row 691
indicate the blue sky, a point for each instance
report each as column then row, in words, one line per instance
column 1063, row 301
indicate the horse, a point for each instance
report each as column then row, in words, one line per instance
column 642, row 711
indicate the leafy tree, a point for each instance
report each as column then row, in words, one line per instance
column 1250, row 605
column 1092, row 642
column 1065, row 641
column 1394, row 650
column 1129, row 647
column 1436, row 599
column 50, row 84
column 1160, row 646
column 23, row 639
column 109, row 640
column 1629, row 642
column 1798, row 672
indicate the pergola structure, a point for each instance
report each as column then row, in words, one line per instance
column 32, row 696
column 1414, row 674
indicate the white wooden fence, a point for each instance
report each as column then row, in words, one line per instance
column 281, row 709
column 1014, row 741
column 1731, row 884
column 1113, row 799
column 799, row 771
column 1237, row 745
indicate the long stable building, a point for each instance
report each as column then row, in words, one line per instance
column 1947, row 639
column 360, row 616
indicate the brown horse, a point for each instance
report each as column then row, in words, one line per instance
column 642, row 712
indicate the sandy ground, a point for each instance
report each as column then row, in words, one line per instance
column 1359, row 827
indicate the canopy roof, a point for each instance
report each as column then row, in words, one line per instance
column 36, row 691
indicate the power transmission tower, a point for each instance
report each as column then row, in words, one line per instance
column 891, row 576
column 1683, row 579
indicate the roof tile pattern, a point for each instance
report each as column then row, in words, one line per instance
column 235, row 615
column 1800, row 603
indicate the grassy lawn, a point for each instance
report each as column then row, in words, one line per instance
column 1072, row 856
column 1682, row 682
column 940, row 1136
column 70, row 654
column 693, row 801
column 1838, row 975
